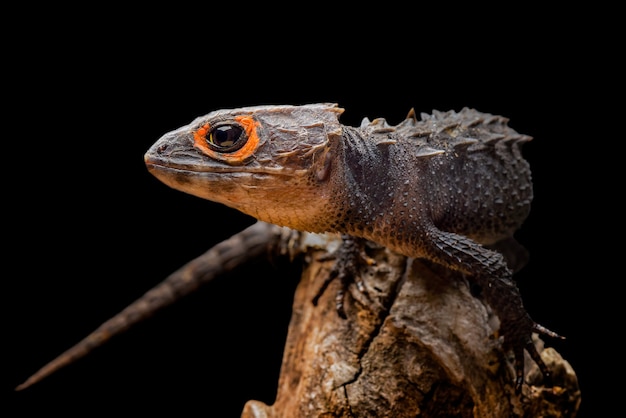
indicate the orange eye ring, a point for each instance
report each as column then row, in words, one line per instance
column 221, row 145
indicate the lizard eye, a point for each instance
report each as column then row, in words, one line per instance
column 226, row 138
column 232, row 142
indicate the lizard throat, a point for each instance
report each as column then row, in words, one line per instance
column 286, row 199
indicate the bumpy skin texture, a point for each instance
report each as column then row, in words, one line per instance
column 445, row 188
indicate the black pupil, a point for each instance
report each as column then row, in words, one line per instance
column 225, row 136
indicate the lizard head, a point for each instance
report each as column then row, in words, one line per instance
column 270, row 162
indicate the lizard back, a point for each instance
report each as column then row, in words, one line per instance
column 461, row 172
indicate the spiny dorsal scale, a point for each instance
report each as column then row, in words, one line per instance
column 462, row 143
column 440, row 131
column 428, row 152
column 516, row 139
column 411, row 118
column 380, row 122
column 496, row 119
column 515, row 142
column 509, row 139
column 438, row 114
column 449, row 128
column 380, row 126
column 383, row 129
column 386, row 141
column 410, row 121
column 493, row 138
column 419, row 134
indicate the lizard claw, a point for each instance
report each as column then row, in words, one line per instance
column 518, row 336
column 517, row 327
column 350, row 256
column 534, row 354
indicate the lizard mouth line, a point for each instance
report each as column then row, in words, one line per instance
column 153, row 166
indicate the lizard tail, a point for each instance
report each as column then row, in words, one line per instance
column 248, row 244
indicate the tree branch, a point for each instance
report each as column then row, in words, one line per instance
column 422, row 345
column 416, row 343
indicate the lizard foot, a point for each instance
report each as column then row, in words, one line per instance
column 517, row 328
column 349, row 257
column 520, row 339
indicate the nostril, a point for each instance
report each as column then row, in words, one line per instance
column 162, row 148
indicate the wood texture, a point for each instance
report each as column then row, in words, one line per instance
column 416, row 344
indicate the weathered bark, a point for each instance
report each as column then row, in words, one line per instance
column 417, row 344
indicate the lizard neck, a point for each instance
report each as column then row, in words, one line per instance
column 378, row 204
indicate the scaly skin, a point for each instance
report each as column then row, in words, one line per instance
column 444, row 188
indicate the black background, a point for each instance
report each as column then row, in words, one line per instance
column 88, row 229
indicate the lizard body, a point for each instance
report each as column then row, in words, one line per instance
column 452, row 188
column 436, row 189
column 445, row 188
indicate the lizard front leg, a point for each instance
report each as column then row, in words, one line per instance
column 349, row 257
